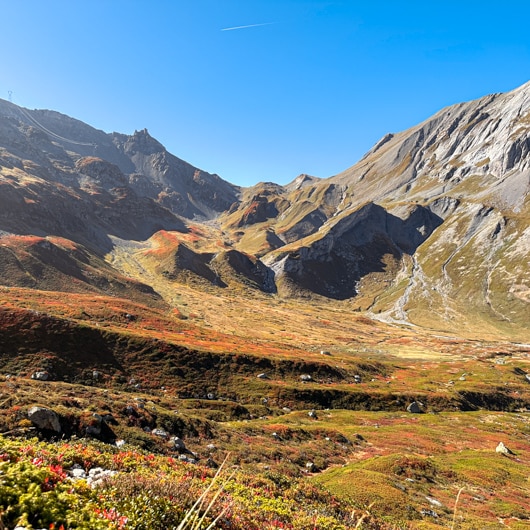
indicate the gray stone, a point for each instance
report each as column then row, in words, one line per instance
column 77, row 473
column 187, row 459
column 306, row 377
column 40, row 376
column 415, row 407
column 44, row 418
column 501, row 448
column 430, row 513
column 160, row 432
column 109, row 418
column 178, row 443
column 434, row 502
column 93, row 430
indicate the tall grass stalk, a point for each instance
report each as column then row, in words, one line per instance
column 456, row 505
column 193, row 519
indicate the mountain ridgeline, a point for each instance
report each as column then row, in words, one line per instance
column 431, row 228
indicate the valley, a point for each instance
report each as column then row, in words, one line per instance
column 358, row 344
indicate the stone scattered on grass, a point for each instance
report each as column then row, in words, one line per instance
column 501, row 448
column 40, row 376
column 187, row 459
column 44, row 418
column 430, row 513
column 416, row 407
column 160, row 432
column 434, row 502
column 178, row 443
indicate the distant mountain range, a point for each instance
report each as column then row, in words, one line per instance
column 430, row 228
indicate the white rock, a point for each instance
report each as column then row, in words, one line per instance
column 501, row 448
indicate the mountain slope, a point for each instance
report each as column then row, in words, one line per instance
column 450, row 237
column 430, row 228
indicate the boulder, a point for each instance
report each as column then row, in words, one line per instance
column 306, row 377
column 44, row 418
column 77, row 473
column 178, row 443
column 501, row 448
column 160, row 432
column 93, row 430
column 40, row 376
column 187, row 459
column 109, row 419
column 415, row 407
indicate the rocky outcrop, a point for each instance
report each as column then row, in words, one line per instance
column 369, row 240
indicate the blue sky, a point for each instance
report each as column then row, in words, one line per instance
column 309, row 88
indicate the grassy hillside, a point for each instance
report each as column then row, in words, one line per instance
column 315, row 398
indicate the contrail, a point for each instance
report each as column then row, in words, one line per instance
column 249, row 26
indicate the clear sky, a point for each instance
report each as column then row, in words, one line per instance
column 307, row 87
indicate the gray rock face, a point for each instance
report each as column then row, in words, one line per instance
column 445, row 197
column 44, row 418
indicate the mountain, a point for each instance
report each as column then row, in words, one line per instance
column 68, row 189
column 363, row 335
column 430, row 228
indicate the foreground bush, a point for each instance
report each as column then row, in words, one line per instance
column 151, row 492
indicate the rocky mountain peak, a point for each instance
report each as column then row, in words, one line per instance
column 142, row 142
column 485, row 142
